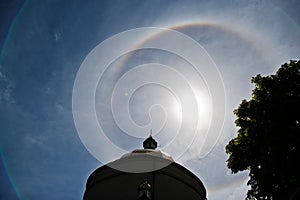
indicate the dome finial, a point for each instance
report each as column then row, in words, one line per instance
column 150, row 143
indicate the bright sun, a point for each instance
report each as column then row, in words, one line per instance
column 204, row 109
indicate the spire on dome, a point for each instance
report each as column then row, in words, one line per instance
column 150, row 143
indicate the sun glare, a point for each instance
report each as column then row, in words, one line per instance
column 204, row 108
column 176, row 110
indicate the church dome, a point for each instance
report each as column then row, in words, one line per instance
column 124, row 178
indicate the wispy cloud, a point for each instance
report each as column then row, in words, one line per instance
column 6, row 88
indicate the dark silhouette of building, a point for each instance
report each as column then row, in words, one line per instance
column 144, row 174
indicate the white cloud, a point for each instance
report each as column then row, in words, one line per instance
column 6, row 88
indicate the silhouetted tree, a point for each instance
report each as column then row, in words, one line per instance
column 268, row 139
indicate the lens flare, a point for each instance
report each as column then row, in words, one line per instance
column 190, row 78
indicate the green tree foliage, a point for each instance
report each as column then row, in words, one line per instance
column 268, row 140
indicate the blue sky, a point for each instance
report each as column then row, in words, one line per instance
column 45, row 43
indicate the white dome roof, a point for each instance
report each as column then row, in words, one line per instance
column 150, row 152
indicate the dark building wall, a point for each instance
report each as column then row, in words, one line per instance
column 171, row 182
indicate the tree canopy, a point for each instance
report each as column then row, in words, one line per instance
column 268, row 139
